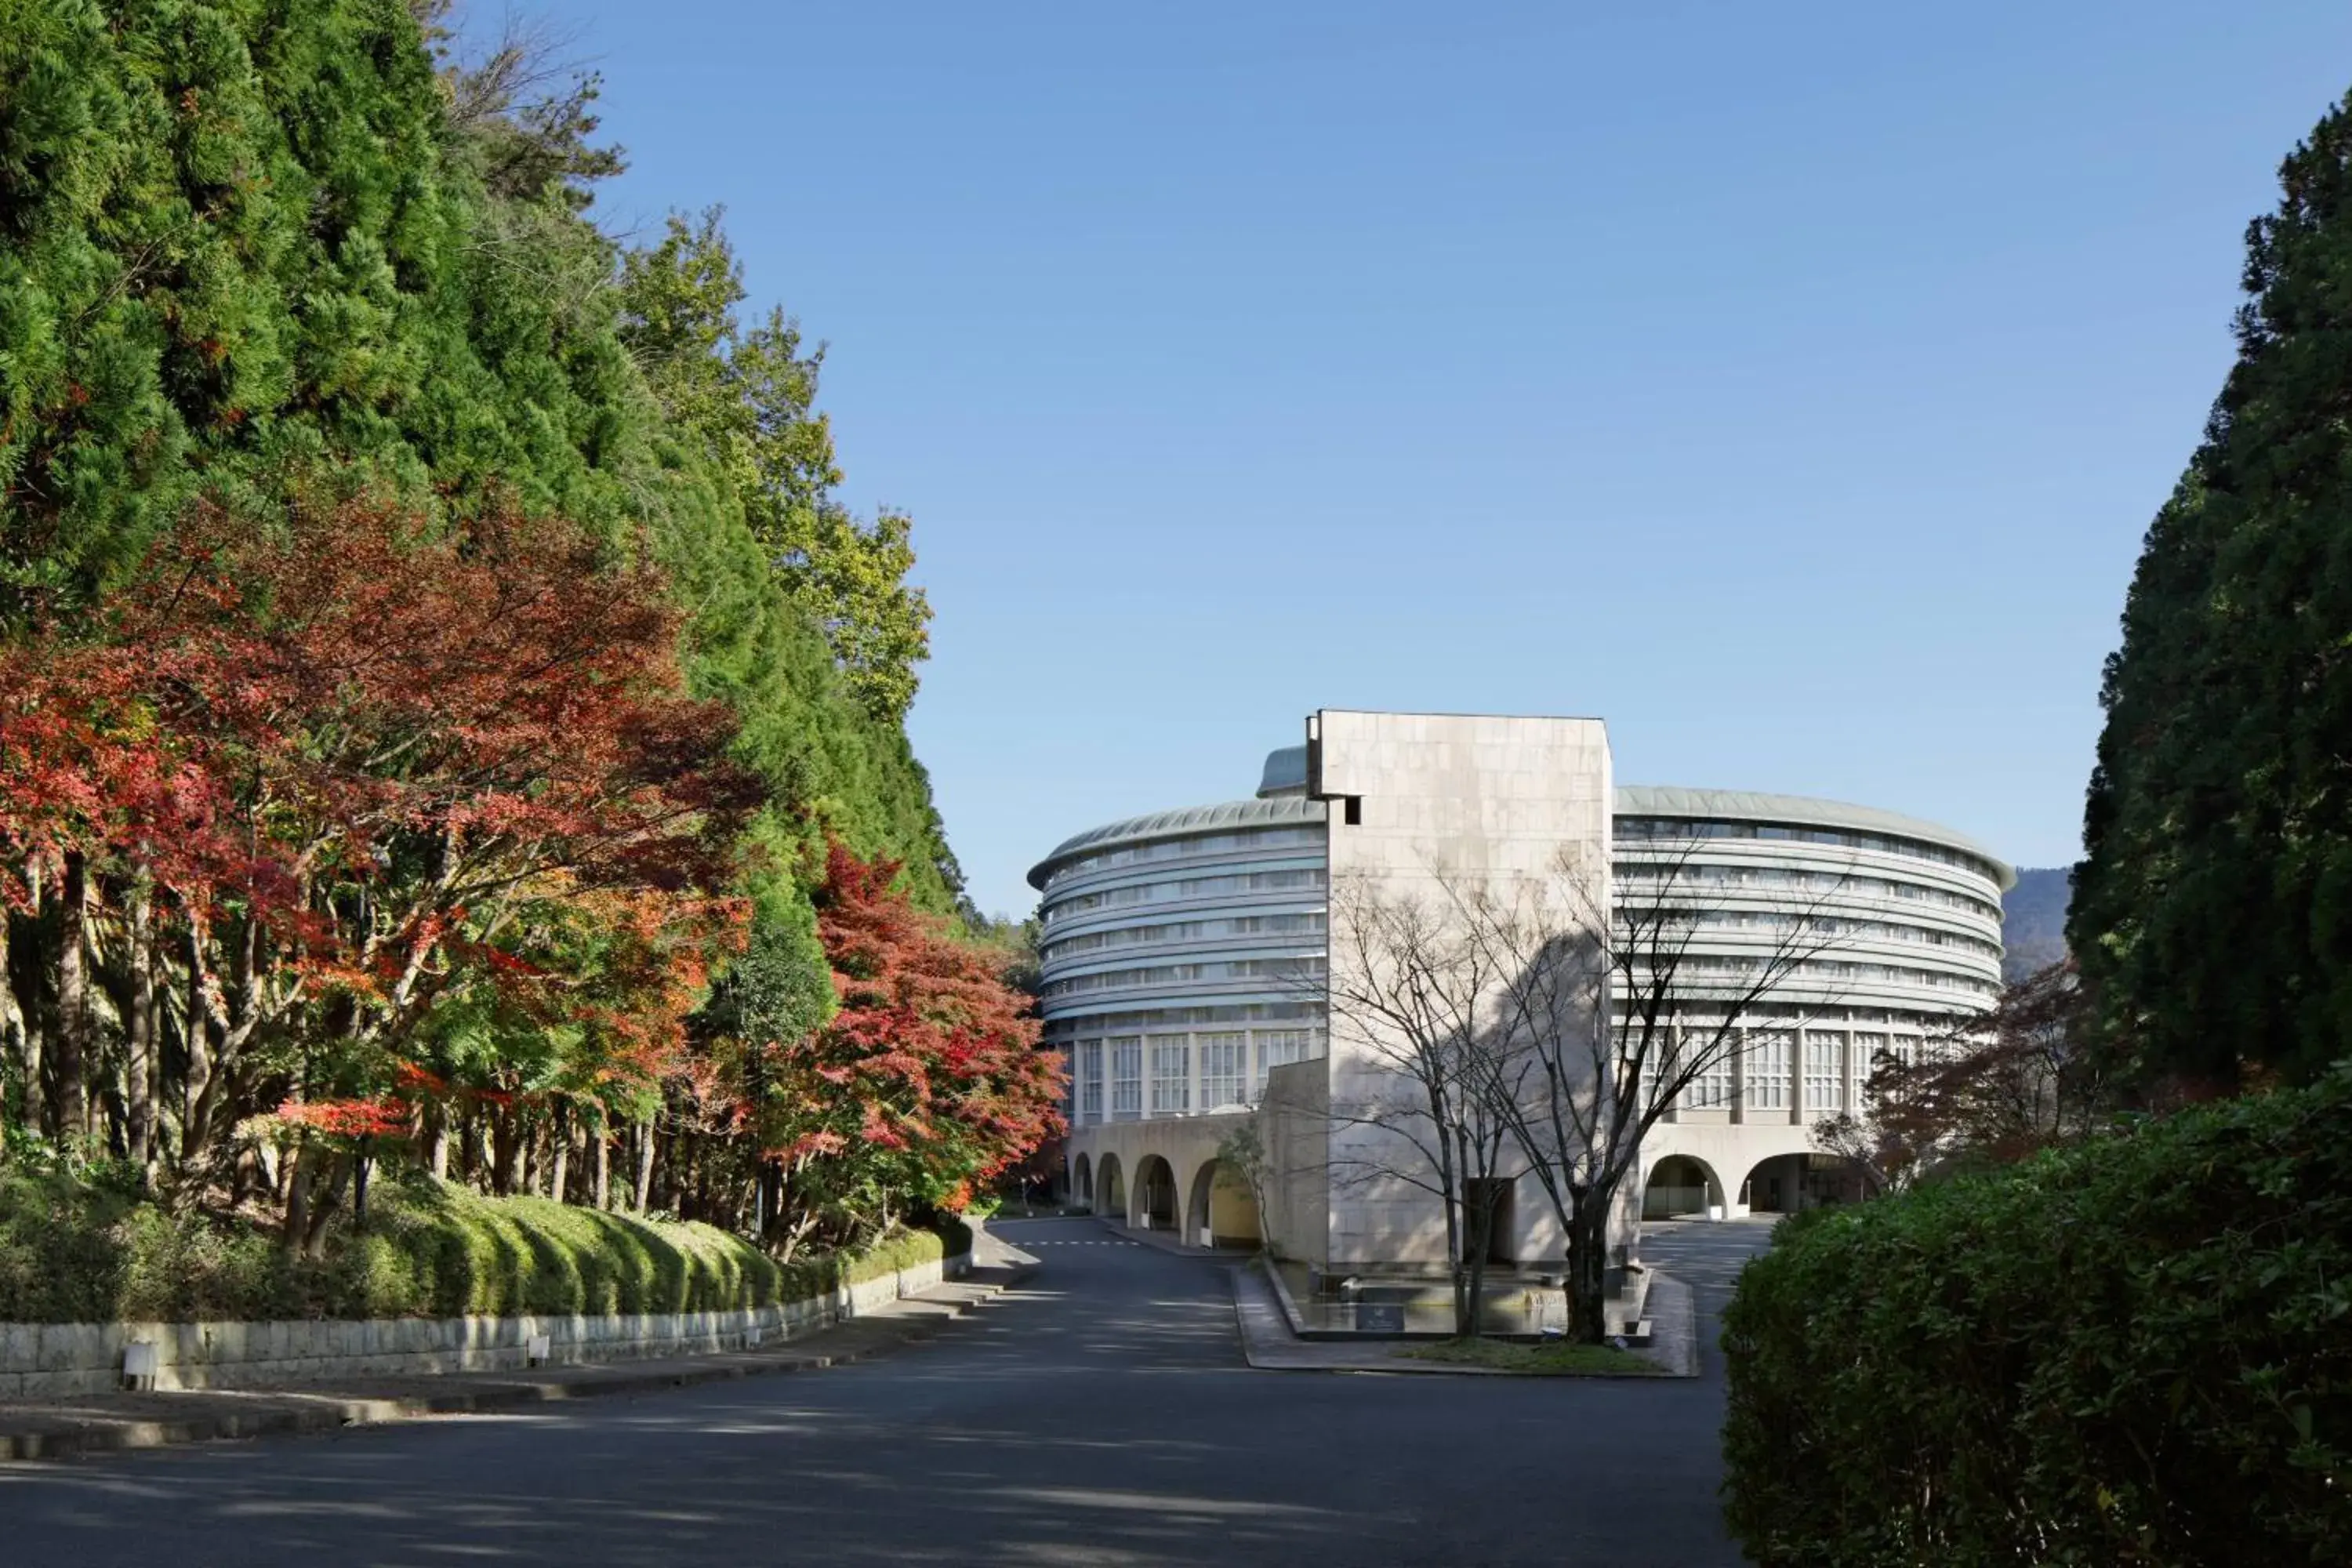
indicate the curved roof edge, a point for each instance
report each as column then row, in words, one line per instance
column 1171, row 824
column 1748, row 805
column 1284, row 772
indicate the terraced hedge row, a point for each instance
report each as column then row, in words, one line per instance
column 2136, row 1351
column 77, row 1253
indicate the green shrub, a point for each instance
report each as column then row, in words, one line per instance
column 75, row 1252
column 2135, row 1352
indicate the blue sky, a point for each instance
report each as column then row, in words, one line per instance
column 1789, row 385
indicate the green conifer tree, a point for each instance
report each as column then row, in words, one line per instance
column 2213, row 915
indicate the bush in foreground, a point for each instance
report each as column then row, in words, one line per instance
column 71, row 1252
column 2137, row 1350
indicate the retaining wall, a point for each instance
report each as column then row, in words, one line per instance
column 51, row 1360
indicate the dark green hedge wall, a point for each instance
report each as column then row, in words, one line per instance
column 2136, row 1351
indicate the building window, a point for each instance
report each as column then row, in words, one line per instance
column 1126, row 1077
column 1224, row 1070
column 1171, row 1075
column 1767, row 1069
column 1710, row 1087
column 1868, row 1050
column 1825, row 1072
column 1090, row 1081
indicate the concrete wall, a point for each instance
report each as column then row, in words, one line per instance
column 50, row 1359
column 1295, row 1129
column 1419, row 802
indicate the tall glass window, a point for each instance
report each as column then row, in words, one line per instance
column 1171, row 1075
column 1825, row 1070
column 1767, row 1069
column 1126, row 1077
column 1710, row 1087
column 1090, row 1081
column 1224, row 1070
column 1868, row 1047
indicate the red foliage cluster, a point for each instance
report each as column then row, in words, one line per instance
column 353, row 755
column 930, row 1067
column 384, row 1118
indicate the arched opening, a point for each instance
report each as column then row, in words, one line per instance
column 1110, row 1192
column 1682, row 1185
column 1776, row 1185
column 1155, row 1193
column 1082, row 1181
column 1222, row 1210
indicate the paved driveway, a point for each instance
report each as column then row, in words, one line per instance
column 1102, row 1415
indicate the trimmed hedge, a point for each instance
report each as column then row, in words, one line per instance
column 2133, row 1351
column 74, row 1253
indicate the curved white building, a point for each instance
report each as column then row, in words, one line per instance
column 1906, row 916
column 1182, row 953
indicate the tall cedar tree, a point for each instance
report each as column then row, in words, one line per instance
column 2212, row 918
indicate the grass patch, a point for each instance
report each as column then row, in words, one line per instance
column 1552, row 1358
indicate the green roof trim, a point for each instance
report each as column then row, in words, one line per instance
column 1802, row 811
column 1180, row 824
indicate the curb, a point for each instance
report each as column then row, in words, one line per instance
column 332, row 1414
column 1270, row 1345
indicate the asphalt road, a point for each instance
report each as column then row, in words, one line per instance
column 1101, row 1416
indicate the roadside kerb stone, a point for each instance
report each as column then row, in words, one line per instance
column 1269, row 1345
column 54, row 1359
column 99, row 1423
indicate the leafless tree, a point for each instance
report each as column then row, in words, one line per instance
column 1421, row 1069
column 1614, row 1012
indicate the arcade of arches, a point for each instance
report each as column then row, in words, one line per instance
column 1173, row 1181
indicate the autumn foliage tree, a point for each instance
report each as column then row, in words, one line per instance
column 475, row 823
column 2007, row 1086
column 927, row 1077
column 309, row 786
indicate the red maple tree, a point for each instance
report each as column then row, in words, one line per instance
column 361, row 761
column 927, row 1080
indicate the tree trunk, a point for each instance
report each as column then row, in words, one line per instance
column 324, row 1199
column 1587, row 1264
column 436, row 1139
column 296, row 1171
column 645, row 1192
column 559, row 1138
column 603, row 1138
column 19, row 1033
column 195, row 1091
column 1482, row 1242
column 506, row 1137
column 527, row 1139
column 73, row 1002
column 139, row 1028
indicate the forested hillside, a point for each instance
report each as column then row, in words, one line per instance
column 439, row 684
column 2033, row 921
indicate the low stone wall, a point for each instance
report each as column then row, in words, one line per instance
column 53, row 1360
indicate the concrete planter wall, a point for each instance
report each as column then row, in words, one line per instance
column 52, row 1360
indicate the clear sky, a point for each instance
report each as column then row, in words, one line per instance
column 1790, row 385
